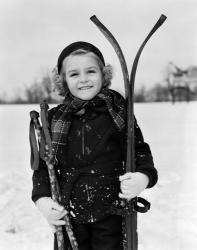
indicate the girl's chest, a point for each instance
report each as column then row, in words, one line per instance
column 91, row 136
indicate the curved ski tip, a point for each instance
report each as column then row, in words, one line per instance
column 93, row 17
column 163, row 17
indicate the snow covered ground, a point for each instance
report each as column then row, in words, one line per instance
column 171, row 224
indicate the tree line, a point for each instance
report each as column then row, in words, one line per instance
column 34, row 93
column 43, row 90
column 164, row 91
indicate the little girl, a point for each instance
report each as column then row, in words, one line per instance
column 88, row 139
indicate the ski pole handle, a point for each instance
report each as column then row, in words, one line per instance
column 34, row 126
column 34, row 117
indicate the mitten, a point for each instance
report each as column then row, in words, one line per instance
column 132, row 184
column 52, row 211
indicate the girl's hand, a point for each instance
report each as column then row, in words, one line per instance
column 132, row 184
column 52, row 211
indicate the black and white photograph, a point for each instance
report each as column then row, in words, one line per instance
column 98, row 107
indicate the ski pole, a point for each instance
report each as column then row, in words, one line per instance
column 54, row 182
column 34, row 118
column 131, row 219
column 52, row 176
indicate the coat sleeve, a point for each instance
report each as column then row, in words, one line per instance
column 40, row 178
column 143, row 156
column 41, row 184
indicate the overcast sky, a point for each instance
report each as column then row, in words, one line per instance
column 33, row 33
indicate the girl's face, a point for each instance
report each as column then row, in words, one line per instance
column 83, row 75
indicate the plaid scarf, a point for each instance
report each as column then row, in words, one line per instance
column 62, row 119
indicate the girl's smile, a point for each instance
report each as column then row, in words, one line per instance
column 83, row 75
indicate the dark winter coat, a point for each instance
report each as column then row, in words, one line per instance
column 91, row 164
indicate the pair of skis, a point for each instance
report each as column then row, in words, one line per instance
column 131, row 237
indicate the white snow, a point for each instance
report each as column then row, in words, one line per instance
column 171, row 222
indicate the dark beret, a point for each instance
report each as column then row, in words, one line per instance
column 75, row 46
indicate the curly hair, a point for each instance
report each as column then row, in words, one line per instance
column 59, row 80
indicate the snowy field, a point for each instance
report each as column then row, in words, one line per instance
column 171, row 224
